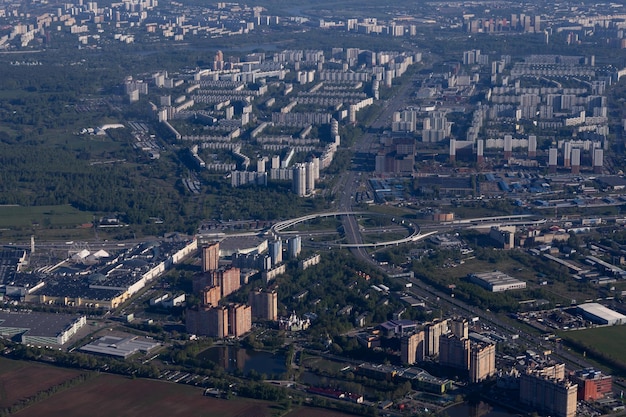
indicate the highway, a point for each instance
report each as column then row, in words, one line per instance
column 347, row 187
column 365, row 148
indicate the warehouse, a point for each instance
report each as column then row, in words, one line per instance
column 599, row 314
column 41, row 329
column 121, row 347
column 497, row 281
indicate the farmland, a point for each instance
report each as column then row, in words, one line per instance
column 108, row 395
column 104, row 395
column 315, row 412
column 23, row 380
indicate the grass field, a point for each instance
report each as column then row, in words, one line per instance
column 323, row 364
column 45, row 216
column 607, row 340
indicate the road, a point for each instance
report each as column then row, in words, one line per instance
column 365, row 147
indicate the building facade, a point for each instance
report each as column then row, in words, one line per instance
column 482, row 362
column 210, row 256
column 264, row 304
column 239, row 319
column 433, row 331
column 412, row 348
column 592, row 384
column 454, row 352
column 548, row 395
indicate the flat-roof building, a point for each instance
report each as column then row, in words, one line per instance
column 40, row 329
column 496, row 281
column 121, row 347
column 592, row 384
column 600, row 314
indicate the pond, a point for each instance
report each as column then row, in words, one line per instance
column 478, row 409
column 232, row 358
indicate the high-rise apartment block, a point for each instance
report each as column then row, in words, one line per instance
column 460, row 328
column 294, row 247
column 239, row 319
column 433, row 331
column 212, row 322
column 412, row 348
column 228, row 279
column 211, row 296
column 264, row 304
column 547, row 394
column 454, row 352
column 210, row 256
column 299, row 180
column 276, row 252
column 219, row 322
column 482, row 361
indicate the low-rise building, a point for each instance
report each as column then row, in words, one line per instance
column 496, row 281
column 592, row 384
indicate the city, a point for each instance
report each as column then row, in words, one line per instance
column 371, row 209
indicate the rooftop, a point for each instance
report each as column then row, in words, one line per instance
column 599, row 310
column 119, row 346
column 37, row 324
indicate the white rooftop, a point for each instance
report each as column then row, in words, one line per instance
column 599, row 310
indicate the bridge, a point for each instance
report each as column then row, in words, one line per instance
column 413, row 237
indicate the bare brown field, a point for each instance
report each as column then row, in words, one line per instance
column 316, row 412
column 20, row 380
column 106, row 395
column 110, row 395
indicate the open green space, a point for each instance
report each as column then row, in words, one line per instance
column 321, row 364
column 12, row 216
column 604, row 343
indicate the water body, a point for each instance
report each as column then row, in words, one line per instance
column 479, row 409
column 245, row 360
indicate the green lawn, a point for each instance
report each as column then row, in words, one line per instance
column 609, row 341
column 12, row 217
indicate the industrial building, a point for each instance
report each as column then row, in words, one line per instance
column 41, row 329
column 496, row 281
column 120, row 347
column 600, row 314
column 102, row 283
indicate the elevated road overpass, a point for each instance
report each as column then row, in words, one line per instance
column 414, row 236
